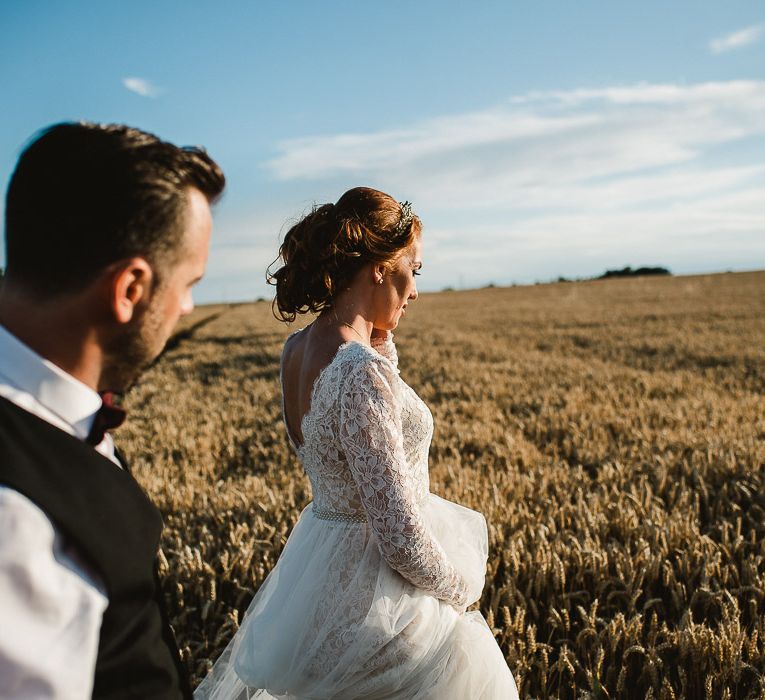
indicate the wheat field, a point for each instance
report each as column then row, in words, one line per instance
column 612, row 432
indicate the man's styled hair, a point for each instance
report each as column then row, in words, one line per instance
column 84, row 196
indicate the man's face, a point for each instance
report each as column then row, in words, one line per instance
column 145, row 337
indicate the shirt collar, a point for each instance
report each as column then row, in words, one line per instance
column 59, row 392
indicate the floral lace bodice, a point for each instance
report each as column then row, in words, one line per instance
column 365, row 447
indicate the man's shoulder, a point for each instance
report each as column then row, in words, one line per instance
column 31, row 536
column 88, row 498
column 23, row 524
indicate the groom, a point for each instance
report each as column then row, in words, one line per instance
column 106, row 230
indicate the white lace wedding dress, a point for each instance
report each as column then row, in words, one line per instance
column 367, row 599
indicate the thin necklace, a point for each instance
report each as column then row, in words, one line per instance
column 366, row 342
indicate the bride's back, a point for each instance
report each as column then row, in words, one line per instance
column 306, row 353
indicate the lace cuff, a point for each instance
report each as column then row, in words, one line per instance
column 386, row 347
column 371, row 437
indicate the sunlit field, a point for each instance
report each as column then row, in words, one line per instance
column 612, row 433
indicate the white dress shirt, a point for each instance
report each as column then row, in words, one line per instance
column 51, row 602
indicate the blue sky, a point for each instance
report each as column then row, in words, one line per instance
column 534, row 139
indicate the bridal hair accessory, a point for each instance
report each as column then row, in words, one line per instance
column 406, row 218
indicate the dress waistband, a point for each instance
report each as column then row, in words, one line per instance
column 336, row 516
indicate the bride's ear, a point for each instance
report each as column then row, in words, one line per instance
column 378, row 273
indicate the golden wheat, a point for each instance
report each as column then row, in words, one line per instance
column 612, row 432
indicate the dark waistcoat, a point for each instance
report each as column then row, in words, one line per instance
column 115, row 527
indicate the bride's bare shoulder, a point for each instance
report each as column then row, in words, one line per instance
column 293, row 344
column 307, row 351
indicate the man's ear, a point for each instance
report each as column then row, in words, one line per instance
column 130, row 285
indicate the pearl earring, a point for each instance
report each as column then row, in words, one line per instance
column 379, row 280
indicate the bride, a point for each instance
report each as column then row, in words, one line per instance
column 369, row 596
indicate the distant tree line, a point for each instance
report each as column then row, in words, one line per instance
column 627, row 271
column 639, row 272
column 624, row 272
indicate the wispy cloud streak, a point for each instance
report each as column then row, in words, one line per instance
column 736, row 40
column 601, row 172
column 544, row 145
column 141, row 87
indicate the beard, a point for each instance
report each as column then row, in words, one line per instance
column 132, row 351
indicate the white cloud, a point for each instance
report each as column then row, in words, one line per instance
column 544, row 137
column 141, row 86
column 567, row 182
column 644, row 93
column 319, row 156
column 736, row 40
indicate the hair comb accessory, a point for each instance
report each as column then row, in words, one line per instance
column 406, row 218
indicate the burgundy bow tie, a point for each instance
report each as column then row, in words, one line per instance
column 107, row 417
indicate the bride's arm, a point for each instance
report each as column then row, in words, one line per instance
column 370, row 432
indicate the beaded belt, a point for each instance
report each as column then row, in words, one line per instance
column 338, row 517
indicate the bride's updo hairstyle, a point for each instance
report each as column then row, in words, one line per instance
column 325, row 249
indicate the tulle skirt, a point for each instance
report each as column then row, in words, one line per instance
column 333, row 620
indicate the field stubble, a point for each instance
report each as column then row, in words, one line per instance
column 612, row 433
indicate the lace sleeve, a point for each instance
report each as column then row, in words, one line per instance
column 371, row 437
column 386, row 347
